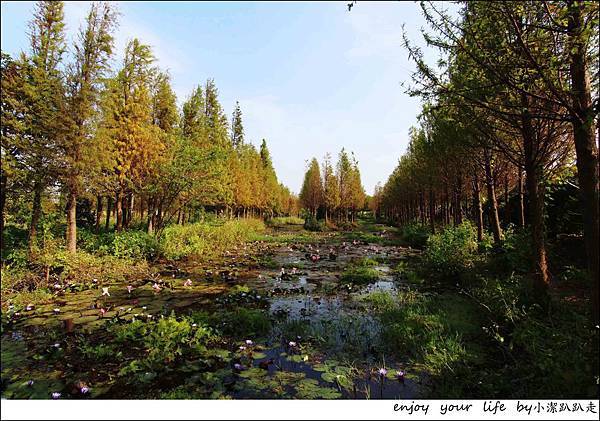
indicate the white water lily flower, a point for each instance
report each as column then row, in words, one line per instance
column 105, row 292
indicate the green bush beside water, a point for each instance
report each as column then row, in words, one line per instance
column 207, row 240
column 452, row 251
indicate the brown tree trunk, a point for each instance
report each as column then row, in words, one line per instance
column 109, row 211
column 4, row 181
column 585, row 147
column 506, row 200
column 72, row 218
column 491, row 193
column 535, row 195
column 521, row 188
column 98, row 213
column 432, row 210
column 477, row 208
column 119, row 211
column 36, row 214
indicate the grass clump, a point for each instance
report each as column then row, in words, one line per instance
column 282, row 221
column 206, row 239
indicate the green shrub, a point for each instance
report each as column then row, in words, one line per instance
column 243, row 322
column 135, row 244
column 281, row 221
column 313, row 224
column 516, row 250
column 360, row 275
column 452, row 251
column 415, row 234
column 206, row 239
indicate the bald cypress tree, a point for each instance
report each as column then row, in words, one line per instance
column 311, row 194
column 237, row 128
column 44, row 105
column 92, row 52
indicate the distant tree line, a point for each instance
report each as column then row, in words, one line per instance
column 333, row 193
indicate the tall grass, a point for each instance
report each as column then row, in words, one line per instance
column 206, row 239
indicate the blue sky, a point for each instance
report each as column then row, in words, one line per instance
column 311, row 78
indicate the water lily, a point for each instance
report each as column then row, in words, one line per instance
column 129, row 289
column 382, row 372
column 56, row 345
column 56, row 310
column 94, row 281
column 57, row 286
column 84, row 390
column 56, row 395
column 400, row 375
column 194, row 325
column 156, row 287
column 242, row 348
column 29, row 307
column 292, row 344
column 144, row 308
column 238, row 367
column 102, row 312
column 187, row 283
column 30, row 383
column 105, row 292
column 249, row 342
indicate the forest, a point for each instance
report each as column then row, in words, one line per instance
column 150, row 250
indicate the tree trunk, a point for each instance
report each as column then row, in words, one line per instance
column 521, row 199
column 4, row 181
column 98, row 213
column 119, row 211
column 477, row 208
column 72, row 219
column 535, row 195
column 36, row 214
column 585, row 146
column 108, row 212
column 506, row 200
column 431, row 210
column 131, row 209
column 491, row 192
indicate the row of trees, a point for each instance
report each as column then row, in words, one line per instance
column 335, row 193
column 513, row 107
column 74, row 128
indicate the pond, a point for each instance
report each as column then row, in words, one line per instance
column 311, row 334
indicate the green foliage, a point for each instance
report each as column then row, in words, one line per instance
column 243, row 323
column 206, row 240
column 164, row 341
column 359, row 275
column 311, row 223
column 282, row 221
column 415, row 234
column 516, row 252
column 133, row 244
column 452, row 251
column 97, row 353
